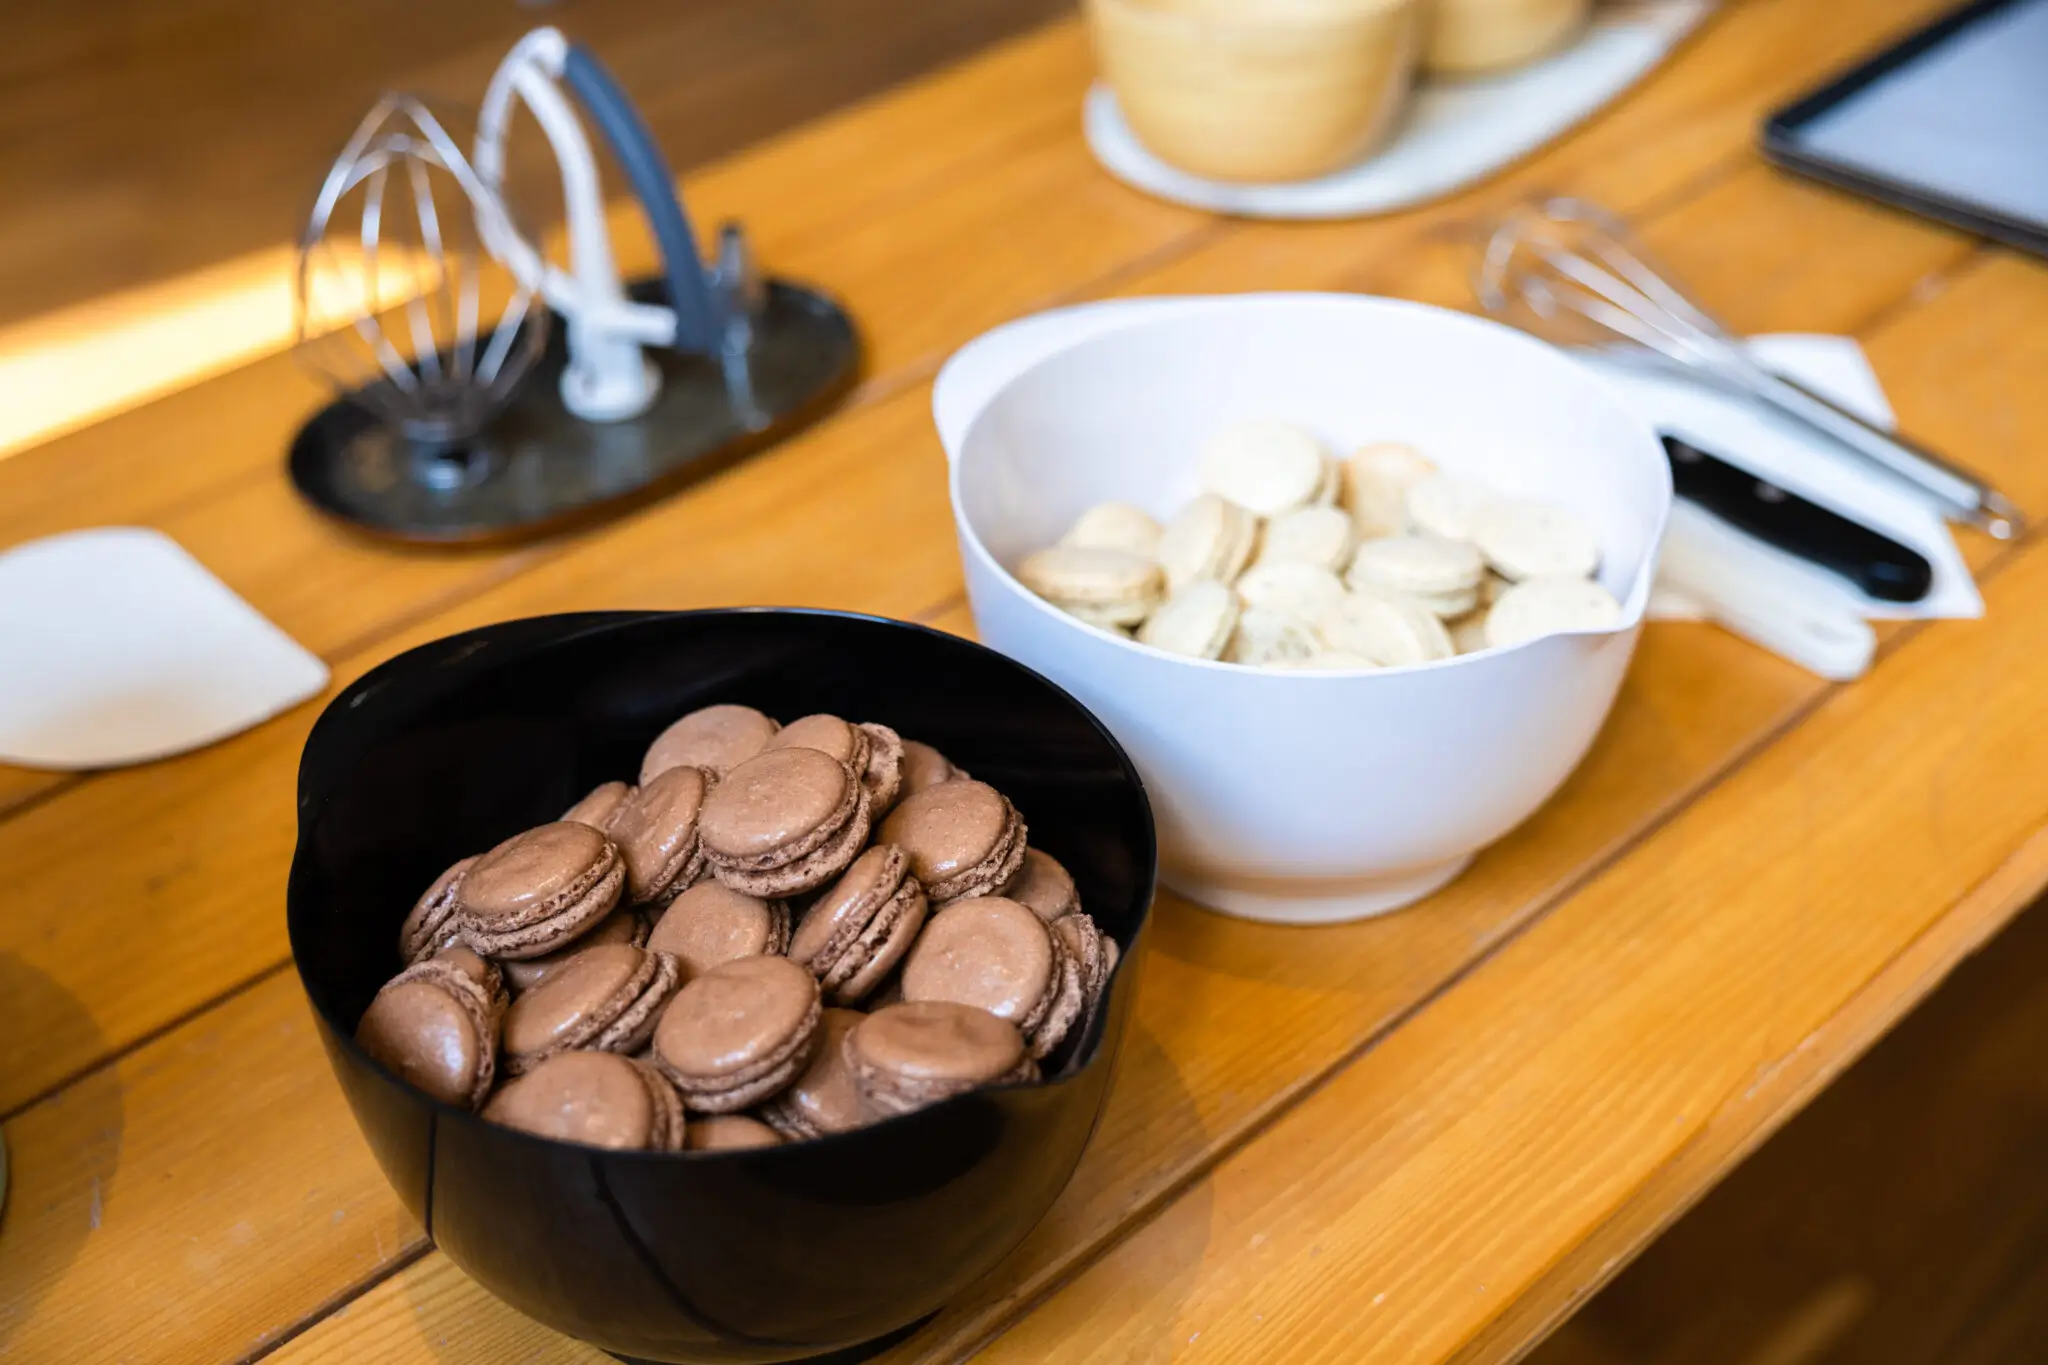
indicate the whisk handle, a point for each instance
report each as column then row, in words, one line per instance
column 1968, row 497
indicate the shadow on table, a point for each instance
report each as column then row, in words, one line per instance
column 1360, row 957
column 62, row 1151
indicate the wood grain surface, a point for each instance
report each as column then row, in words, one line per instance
column 1897, row 1220
column 1511, row 1087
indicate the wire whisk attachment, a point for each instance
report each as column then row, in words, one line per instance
column 1568, row 270
column 394, row 283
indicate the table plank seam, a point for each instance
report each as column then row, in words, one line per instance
column 1981, row 251
column 2033, row 849
column 412, row 1254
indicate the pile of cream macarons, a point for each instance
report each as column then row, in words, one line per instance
column 1294, row 558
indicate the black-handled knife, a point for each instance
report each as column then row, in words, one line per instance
column 1877, row 564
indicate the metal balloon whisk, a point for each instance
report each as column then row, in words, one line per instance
column 1567, row 270
column 394, row 284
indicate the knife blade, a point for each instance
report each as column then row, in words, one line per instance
column 1878, row 565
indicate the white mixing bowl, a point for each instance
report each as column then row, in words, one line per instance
column 1298, row 796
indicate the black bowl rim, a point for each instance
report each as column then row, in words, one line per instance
column 595, row 622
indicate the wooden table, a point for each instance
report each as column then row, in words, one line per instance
column 1420, row 1139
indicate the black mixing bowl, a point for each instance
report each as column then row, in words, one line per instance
column 764, row 1255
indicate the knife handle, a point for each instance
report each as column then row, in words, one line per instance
column 1880, row 566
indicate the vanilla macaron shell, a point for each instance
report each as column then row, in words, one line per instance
column 1268, row 467
column 1115, row 526
column 1468, row 632
column 1292, row 588
column 1374, row 486
column 1314, row 535
column 1327, row 661
column 1444, row 505
column 1212, row 537
column 1534, row 540
column 1270, row 639
column 1444, row 575
column 1550, row 606
column 1116, row 587
column 1197, row 620
column 1116, row 620
column 1388, row 630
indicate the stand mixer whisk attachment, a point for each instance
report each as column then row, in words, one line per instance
column 454, row 429
column 395, row 281
column 1566, row 269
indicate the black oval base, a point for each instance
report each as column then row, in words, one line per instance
column 536, row 468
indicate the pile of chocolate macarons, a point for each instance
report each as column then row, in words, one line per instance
column 784, row 931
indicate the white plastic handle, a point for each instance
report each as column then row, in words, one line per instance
column 1742, row 590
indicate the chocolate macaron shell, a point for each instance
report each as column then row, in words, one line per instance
column 1085, row 944
column 1068, row 1004
column 434, row 1034
column 480, row 972
column 476, row 986
column 964, row 838
column 621, row 926
column 784, row 822
column 816, row 867
column 991, row 953
column 635, row 1024
column 829, row 735
column 657, row 834
column 924, row 766
column 729, row 1133
column 871, row 918
column 775, row 808
column 910, row 1055
column 884, row 773
column 835, row 919
column 1044, row 885
column 540, row 890
column 597, row 809
column 717, row 738
column 882, row 946
column 576, row 1003
column 995, row 872
column 671, row 1126
column 433, row 923
column 823, row 1099
column 711, row 924
column 739, row 1034
column 599, row 1099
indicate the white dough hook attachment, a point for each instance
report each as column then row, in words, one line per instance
column 608, row 378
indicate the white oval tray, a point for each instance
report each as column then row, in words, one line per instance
column 1455, row 132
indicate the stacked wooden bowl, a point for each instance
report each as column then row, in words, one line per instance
column 1263, row 91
